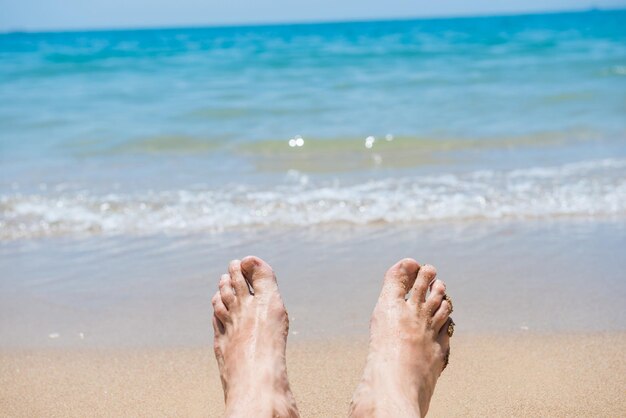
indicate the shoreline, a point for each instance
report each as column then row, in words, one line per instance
column 155, row 292
column 540, row 319
column 522, row 374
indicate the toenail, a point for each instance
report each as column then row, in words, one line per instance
column 429, row 269
column 252, row 259
column 408, row 265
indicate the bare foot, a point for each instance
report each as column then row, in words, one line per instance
column 250, row 340
column 409, row 344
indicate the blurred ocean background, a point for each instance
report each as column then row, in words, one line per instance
column 198, row 130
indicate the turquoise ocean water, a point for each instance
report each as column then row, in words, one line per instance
column 135, row 164
column 173, row 131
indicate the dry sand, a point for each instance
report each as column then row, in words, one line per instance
column 515, row 375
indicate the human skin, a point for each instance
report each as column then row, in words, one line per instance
column 250, row 340
column 409, row 344
column 408, row 348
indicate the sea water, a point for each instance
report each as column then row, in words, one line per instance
column 134, row 164
column 140, row 132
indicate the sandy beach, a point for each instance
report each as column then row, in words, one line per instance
column 507, row 375
column 136, row 163
column 535, row 335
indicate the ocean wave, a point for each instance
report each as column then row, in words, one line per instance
column 587, row 189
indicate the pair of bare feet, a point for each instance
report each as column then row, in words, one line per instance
column 410, row 331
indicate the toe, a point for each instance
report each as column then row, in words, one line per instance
column 426, row 275
column 399, row 278
column 220, row 309
column 237, row 280
column 441, row 315
column 226, row 292
column 259, row 274
column 437, row 292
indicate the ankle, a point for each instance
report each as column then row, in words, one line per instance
column 383, row 404
column 381, row 394
column 262, row 404
column 262, row 394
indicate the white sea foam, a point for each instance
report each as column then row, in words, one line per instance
column 588, row 189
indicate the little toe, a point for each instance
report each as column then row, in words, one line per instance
column 399, row 278
column 226, row 292
column 259, row 274
column 425, row 277
column 237, row 280
column 220, row 309
column 441, row 315
column 434, row 299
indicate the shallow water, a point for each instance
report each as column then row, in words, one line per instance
column 504, row 277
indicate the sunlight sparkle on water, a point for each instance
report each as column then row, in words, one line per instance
column 296, row 141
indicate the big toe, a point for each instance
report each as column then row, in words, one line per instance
column 259, row 274
column 399, row 278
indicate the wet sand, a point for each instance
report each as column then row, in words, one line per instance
column 155, row 291
column 516, row 375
